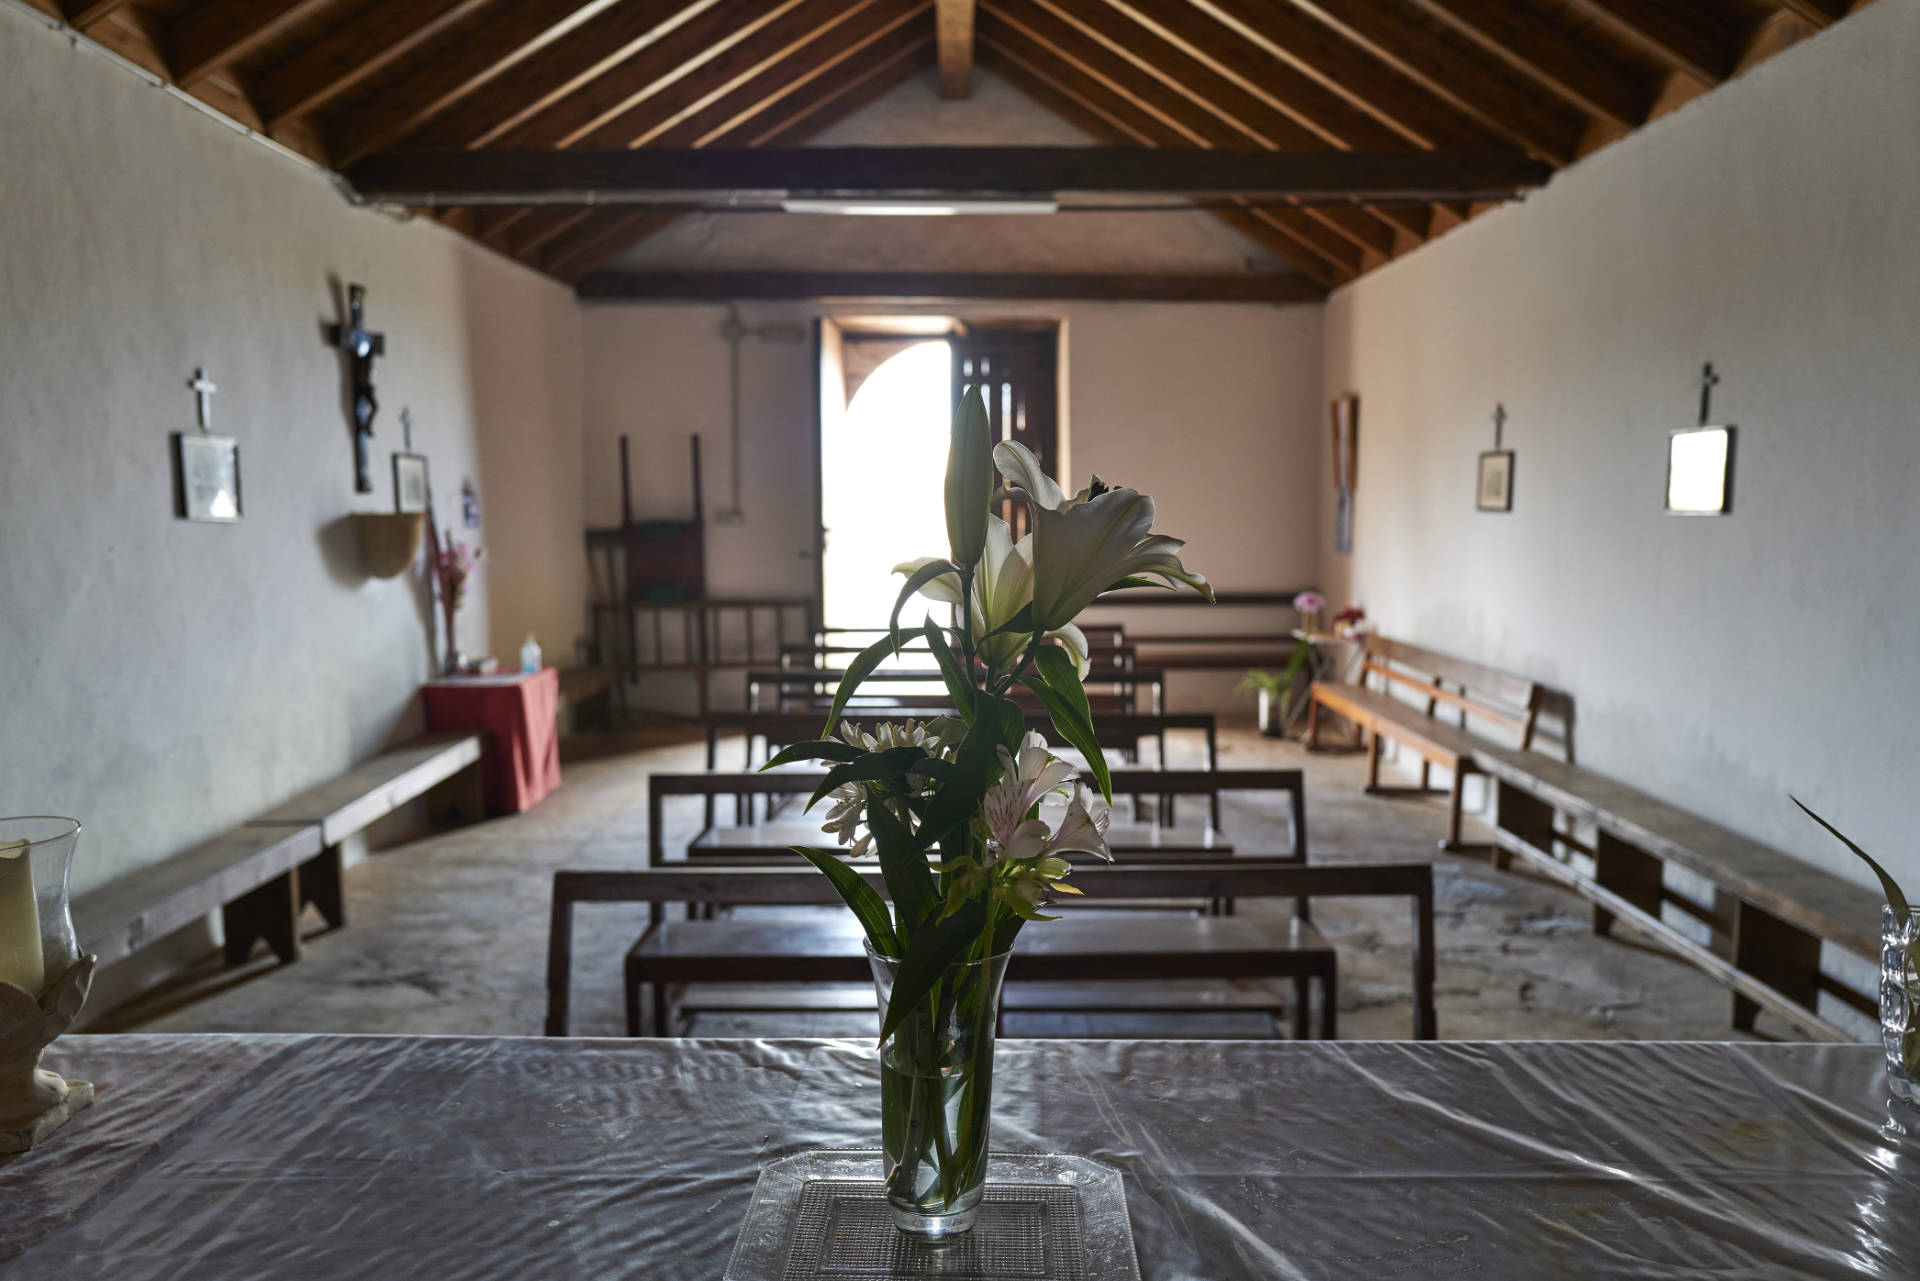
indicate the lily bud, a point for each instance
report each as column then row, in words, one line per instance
column 969, row 479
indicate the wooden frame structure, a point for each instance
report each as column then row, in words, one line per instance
column 341, row 82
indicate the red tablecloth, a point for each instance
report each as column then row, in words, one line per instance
column 522, row 764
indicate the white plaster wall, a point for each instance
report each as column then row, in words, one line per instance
column 1719, row 663
column 163, row 679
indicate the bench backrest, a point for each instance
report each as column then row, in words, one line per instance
column 1122, row 731
column 1236, row 878
column 1477, row 691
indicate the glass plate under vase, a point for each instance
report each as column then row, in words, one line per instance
column 1900, row 1002
column 936, row 1095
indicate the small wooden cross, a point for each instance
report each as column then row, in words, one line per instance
column 406, row 426
column 1708, row 381
column 203, row 389
column 1499, row 423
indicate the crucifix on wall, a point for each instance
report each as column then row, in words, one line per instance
column 360, row 346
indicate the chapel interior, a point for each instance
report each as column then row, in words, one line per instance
column 450, row 447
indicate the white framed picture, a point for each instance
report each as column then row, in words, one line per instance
column 208, row 468
column 1495, row 490
column 1700, row 471
column 410, row 492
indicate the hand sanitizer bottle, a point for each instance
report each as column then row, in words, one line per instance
column 530, row 655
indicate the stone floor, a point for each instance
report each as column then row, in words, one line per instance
column 448, row 934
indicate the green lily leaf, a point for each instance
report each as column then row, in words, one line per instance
column 828, row 749
column 903, row 865
column 957, row 683
column 926, row 960
column 915, row 581
column 1021, row 622
column 868, row 907
column 1058, row 686
column 858, row 670
column 996, row 723
column 890, row 765
column 1895, row 899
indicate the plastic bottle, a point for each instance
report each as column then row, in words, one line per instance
column 530, row 660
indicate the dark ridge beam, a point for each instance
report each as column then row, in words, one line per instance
column 794, row 286
column 684, row 173
column 953, row 27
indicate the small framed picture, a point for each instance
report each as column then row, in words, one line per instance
column 410, row 492
column 1495, row 490
column 1346, row 441
column 208, row 472
column 1700, row 471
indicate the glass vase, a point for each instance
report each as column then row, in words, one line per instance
column 43, row 978
column 936, row 1096
column 1899, row 995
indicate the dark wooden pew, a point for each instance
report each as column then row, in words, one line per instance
column 1178, row 948
column 1480, row 697
column 1769, row 914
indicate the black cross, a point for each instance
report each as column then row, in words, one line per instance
column 1499, row 423
column 1708, row 381
column 360, row 345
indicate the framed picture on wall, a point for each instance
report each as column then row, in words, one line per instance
column 410, row 493
column 207, row 469
column 1494, row 492
column 1346, row 442
column 1700, row 471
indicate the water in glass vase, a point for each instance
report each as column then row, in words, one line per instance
column 936, row 1097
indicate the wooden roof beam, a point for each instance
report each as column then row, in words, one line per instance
column 1686, row 38
column 1446, row 64
column 1816, row 13
column 446, row 71
column 374, row 38
column 688, row 172
column 769, row 286
column 204, row 40
column 82, row 14
column 1554, row 57
column 953, row 26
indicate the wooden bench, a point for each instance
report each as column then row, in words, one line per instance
column 1477, row 694
column 1122, row 734
column 1770, row 912
column 261, row 875
column 1073, row 952
column 1160, row 837
column 590, row 691
column 797, row 689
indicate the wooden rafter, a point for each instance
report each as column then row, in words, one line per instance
column 85, row 13
column 796, row 119
column 1686, row 38
column 1819, row 13
column 1447, row 65
column 447, row 69
column 1349, row 69
column 1272, row 80
column 1107, row 115
column 373, row 39
column 747, row 79
column 644, row 42
column 953, row 27
column 206, row 39
column 1546, row 51
column 1337, row 234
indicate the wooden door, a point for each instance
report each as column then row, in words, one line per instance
column 1017, row 369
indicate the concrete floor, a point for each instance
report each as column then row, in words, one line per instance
column 448, row 934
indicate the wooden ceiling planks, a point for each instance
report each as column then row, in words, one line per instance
column 339, row 79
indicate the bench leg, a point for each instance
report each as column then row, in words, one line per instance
column 662, row 1011
column 460, row 799
column 320, row 886
column 1329, row 1006
column 632, row 994
column 1602, row 920
column 1373, row 761
column 1312, row 742
column 270, row 912
column 1302, row 998
column 1745, row 1010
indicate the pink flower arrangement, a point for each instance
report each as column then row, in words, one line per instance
column 453, row 564
column 1348, row 623
column 1309, row 602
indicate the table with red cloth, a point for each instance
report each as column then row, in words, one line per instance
column 522, row 763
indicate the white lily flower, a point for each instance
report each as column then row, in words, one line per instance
column 1002, row 587
column 1084, row 545
column 1024, row 781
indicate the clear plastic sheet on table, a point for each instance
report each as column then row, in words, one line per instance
column 477, row 1158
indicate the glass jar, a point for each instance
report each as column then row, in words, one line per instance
column 37, row 943
column 1899, row 997
column 936, row 1095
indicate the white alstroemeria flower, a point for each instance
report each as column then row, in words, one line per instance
column 1024, row 781
column 845, row 820
column 1084, row 829
column 1002, row 587
column 1085, row 544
